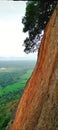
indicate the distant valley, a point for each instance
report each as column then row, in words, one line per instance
column 13, row 78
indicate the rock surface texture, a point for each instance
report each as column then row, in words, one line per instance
column 38, row 108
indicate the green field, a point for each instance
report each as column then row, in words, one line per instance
column 12, row 83
column 20, row 84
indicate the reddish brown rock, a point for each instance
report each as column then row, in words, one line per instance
column 38, row 108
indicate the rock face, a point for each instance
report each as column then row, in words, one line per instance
column 38, row 108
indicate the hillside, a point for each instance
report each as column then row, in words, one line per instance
column 38, row 108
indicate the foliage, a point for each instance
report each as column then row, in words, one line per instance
column 35, row 20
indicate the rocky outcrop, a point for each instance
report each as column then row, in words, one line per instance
column 38, row 108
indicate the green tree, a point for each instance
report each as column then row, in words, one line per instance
column 35, row 20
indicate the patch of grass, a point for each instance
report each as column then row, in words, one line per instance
column 20, row 84
column 13, row 87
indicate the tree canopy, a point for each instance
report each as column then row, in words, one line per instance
column 35, row 20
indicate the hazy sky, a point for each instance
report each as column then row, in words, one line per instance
column 11, row 35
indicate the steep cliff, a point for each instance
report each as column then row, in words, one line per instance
column 38, row 108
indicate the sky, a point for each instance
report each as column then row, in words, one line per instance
column 11, row 30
